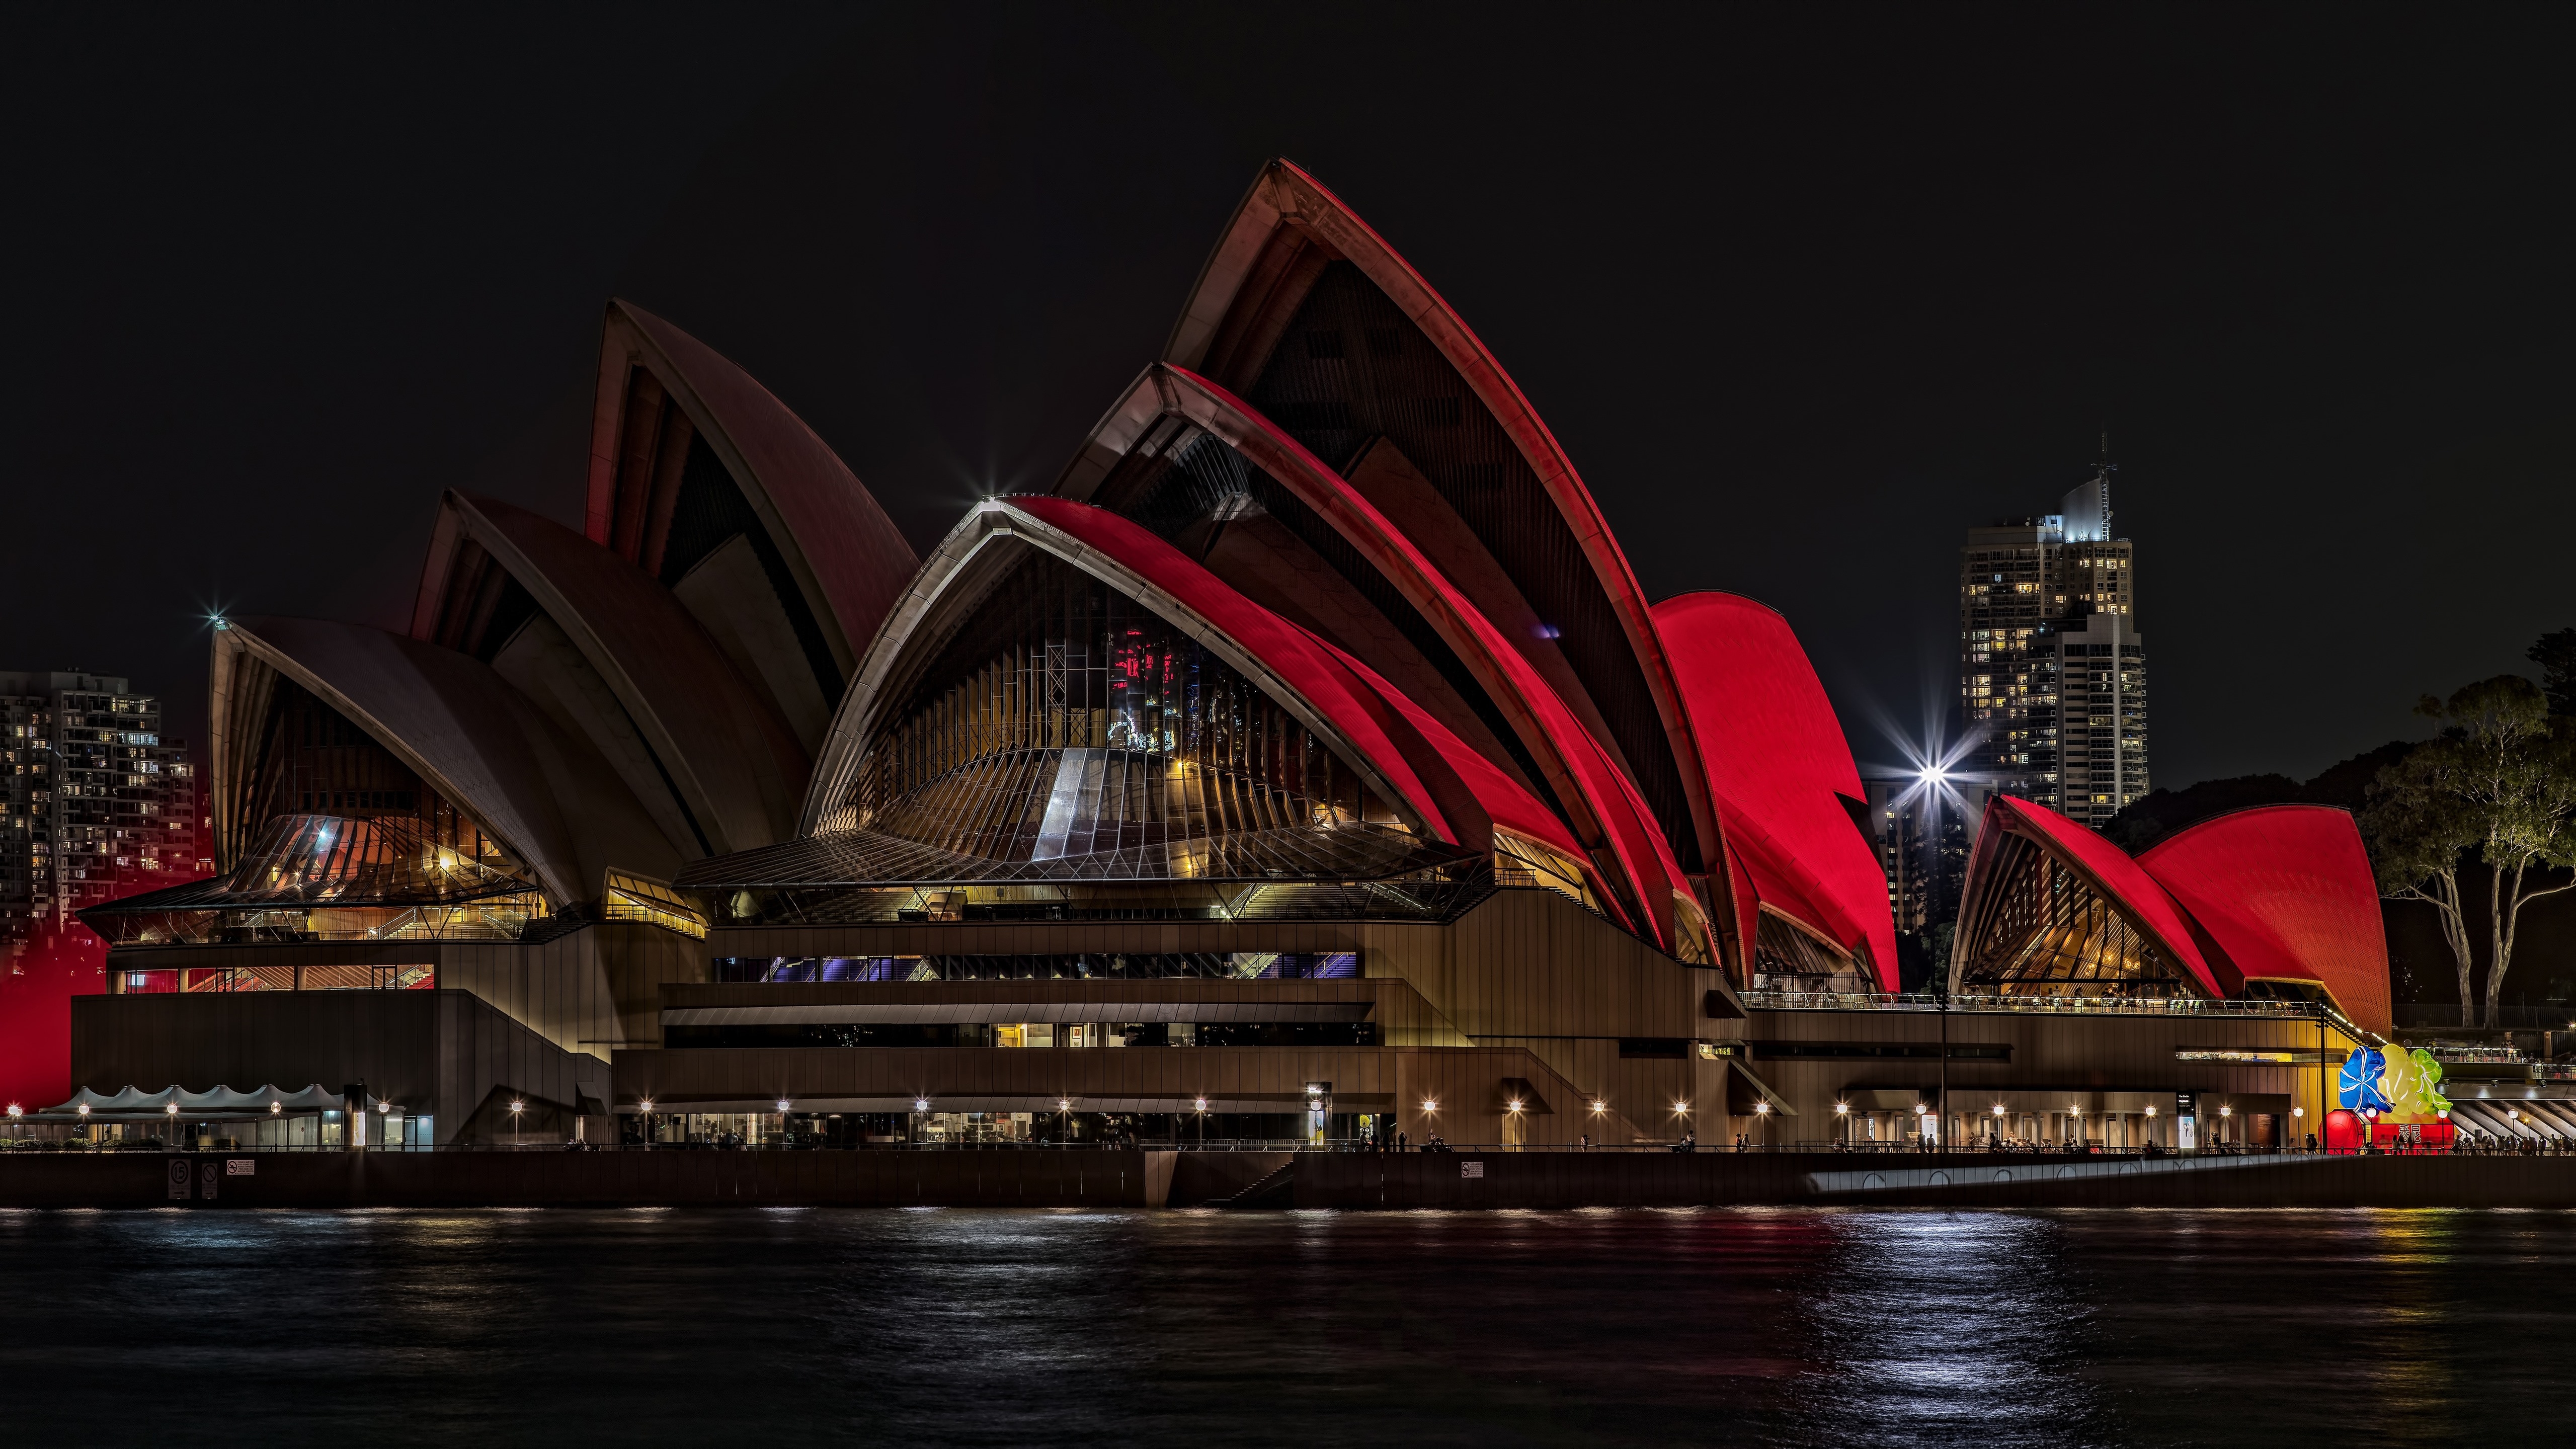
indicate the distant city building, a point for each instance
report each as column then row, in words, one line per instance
column 97, row 804
column 2034, row 595
column 1923, row 837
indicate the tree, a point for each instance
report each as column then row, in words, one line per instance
column 2497, row 785
column 2555, row 653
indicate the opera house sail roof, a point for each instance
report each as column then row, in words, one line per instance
column 1319, row 623
column 2277, row 901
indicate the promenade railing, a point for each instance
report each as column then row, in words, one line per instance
column 1978, row 1151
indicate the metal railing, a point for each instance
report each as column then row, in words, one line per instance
column 2524, row 1015
column 2050, row 1005
column 2465, row 1146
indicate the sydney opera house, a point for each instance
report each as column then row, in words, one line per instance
column 1307, row 763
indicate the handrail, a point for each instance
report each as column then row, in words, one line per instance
column 2050, row 1005
column 2463, row 1147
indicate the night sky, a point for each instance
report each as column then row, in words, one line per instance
column 1804, row 296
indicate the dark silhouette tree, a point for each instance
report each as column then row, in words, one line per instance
column 2498, row 784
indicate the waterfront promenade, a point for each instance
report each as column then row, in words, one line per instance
column 1076, row 1178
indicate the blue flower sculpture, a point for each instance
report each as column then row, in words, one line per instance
column 2363, row 1087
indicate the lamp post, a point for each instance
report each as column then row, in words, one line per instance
column 1599, row 1108
column 1762, row 1116
column 172, row 1111
column 2325, row 1108
column 1842, row 1122
column 83, row 1109
column 1202, row 1116
column 2298, row 1126
column 1064, row 1122
column 1941, row 998
column 516, row 1107
column 644, row 1120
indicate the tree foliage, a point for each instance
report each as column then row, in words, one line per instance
column 2555, row 653
column 2497, row 785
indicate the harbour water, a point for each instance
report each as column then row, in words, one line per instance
column 964, row 1327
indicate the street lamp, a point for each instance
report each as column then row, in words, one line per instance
column 516, row 1107
column 1202, row 1112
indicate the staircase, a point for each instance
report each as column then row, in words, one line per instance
column 1276, row 1190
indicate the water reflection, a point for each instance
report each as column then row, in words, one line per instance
column 973, row 1327
column 1950, row 1328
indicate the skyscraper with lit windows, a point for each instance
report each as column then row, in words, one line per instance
column 2052, row 684
column 94, row 803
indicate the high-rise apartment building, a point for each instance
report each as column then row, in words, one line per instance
column 2052, row 666
column 94, row 803
column 1923, row 832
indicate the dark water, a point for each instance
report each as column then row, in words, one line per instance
column 972, row 1327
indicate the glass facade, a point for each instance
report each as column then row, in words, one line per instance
column 335, row 878
column 1065, row 720
column 2050, row 933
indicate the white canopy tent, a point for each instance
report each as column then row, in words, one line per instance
column 218, row 1102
